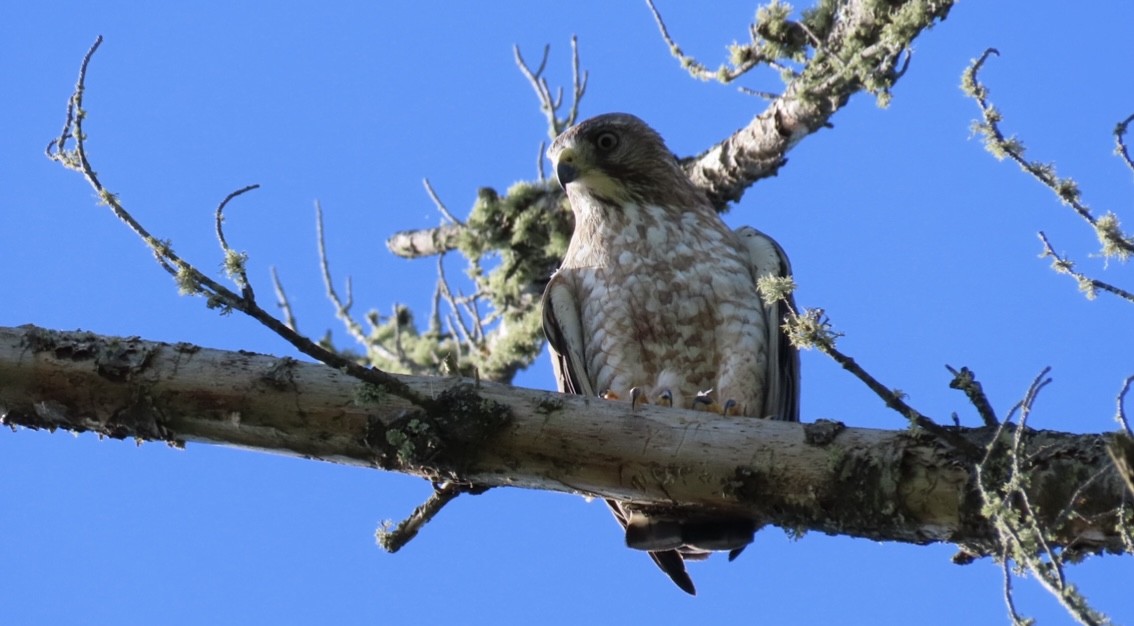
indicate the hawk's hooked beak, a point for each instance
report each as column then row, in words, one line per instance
column 565, row 170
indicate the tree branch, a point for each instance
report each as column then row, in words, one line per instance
column 854, row 48
column 423, row 242
column 1115, row 243
column 859, row 46
column 907, row 485
column 191, row 280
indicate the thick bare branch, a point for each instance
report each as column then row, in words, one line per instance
column 907, row 486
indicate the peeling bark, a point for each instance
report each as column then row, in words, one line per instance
column 900, row 485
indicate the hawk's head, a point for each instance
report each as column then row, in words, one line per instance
column 618, row 159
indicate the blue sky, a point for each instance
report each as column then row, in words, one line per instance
column 920, row 247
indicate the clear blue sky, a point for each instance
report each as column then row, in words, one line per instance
column 920, row 246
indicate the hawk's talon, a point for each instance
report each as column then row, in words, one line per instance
column 704, row 401
column 609, row 395
column 636, row 397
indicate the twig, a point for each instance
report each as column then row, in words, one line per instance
column 439, row 204
column 549, row 104
column 342, row 309
column 1008, row 600
column 191, row 280
column 966, row 381
column 1120, row 401
column 1120, row 142
column 1087, row 285
column 282, row 301
column 539, row 161
column 578, row 84
column 56, row 148
column 1013, row 515
column 695, row 67
column 764, row 95
column 447, row 294
column 235, row 263
column 392, row 540
column 825, row 344
column 1121, row 453
column 1114, row 241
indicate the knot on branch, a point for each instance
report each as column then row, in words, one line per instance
column 822, row 432
column 446, row 438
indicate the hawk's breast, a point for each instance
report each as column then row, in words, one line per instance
column 671, row 305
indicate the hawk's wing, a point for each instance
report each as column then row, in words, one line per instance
column 564, row 330
column 782, row 389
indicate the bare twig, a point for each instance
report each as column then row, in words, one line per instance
column 342, row 308
column 1120, row 411
column 283, row 302
column 539, row 162
column 439, row 204
column 578, row 84
column 966, row 381
column 1120, row 142
column 548, row 103
column 445, row 292
column 1005, row 568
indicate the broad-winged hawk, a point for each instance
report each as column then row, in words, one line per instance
column 656, row 302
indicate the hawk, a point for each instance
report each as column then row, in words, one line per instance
column 656, row 302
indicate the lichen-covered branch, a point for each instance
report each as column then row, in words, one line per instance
column 840, row 48
column 901, row 485
column 191, row 280
column 1003, row 481
column 1088, row 286
column 1114, row 242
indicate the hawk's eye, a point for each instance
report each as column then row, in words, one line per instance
column 606, row 141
